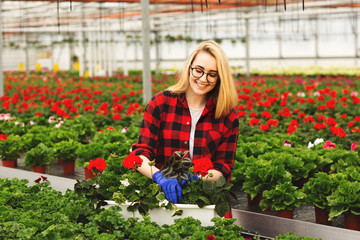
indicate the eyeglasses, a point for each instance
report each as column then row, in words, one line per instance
column 211, row 77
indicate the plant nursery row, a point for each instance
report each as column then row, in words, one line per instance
column 297, row 146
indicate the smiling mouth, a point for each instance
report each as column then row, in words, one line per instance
column 199, row 84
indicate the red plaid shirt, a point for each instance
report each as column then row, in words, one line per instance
column 166, row 129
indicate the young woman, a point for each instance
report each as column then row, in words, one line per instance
column 196, row 114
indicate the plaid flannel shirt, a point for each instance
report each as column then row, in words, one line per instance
column 166, row 129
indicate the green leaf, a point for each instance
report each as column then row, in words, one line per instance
column 209, row 187
column 221, row 181
column 160, row 197
column 221, row 208
column 205, row 200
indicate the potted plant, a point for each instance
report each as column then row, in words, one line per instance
column 138, row 195
column 87, row 152
column 317, row 189
column 262, row 175
column 38, row 157
column 65, row 152
column 10, row 148
column 283, row 198
column 345, row 199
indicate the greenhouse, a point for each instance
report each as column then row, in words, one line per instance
column 214, row 119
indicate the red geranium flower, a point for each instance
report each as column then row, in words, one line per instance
column 254, row 121
column 117, row 117
column 210, row 237
column 3, row 137
column 98, row 164
column 353, row 146
column 202, row 166
column 329, row 145
column 264, row 127
column 132, row 161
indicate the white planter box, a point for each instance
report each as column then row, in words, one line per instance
column 163, row 216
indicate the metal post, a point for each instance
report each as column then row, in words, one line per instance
column 1, row 70
column 316, row 39
column 146, row 50
column 27, row 53
column 247, row 48
column 125, row 61
column 280, row 40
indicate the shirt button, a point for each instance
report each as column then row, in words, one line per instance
column 188, row 123
column 185, row 142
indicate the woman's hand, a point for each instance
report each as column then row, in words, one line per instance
column 170, row 186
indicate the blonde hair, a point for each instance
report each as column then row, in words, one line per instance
column 224, row 93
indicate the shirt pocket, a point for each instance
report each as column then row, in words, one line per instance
column 213, row 140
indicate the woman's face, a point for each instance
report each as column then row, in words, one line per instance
column 203, row 74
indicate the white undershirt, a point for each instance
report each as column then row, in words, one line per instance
column 195, row 116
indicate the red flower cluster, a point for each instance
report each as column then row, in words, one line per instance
column 210, row 237
column 202, row 166
column 41, row 178
column 98, row 164
column 329, row 145
column 132, row 161
column 3, row 137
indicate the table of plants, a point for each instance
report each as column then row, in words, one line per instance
column 297, row 146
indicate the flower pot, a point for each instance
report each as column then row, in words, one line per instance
column 40, row 169
column 352, row 221
column 255, row 201
column 68, row 167
column 321, row 215
column 285, row 213
column 163, row 216
column 88, row 173
column 9, row 163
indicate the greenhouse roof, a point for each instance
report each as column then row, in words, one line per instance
column 115, row 15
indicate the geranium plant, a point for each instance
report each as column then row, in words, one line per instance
column 39, row 156
column 10, row 147
column 282, row 196
column 346, row 196
column 318, row 188
column 144, row 194
column 66, row 150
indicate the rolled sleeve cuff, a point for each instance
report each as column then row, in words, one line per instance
column 224, row 169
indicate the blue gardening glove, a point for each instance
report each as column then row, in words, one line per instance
column 190, row 178
column 170, row 186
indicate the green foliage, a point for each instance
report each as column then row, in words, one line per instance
column 59, row 135
column 318, row 188
column 10, row 149
column 66, row 150
column 292, row 236
column 39, row 156
column 282, row 196
column 82, row 126
column 262, row 175
column 346, row 196
column 87, row 152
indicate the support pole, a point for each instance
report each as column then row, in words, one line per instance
column 125, row 60
column 146, row 50
column 247, row 48
column 280, row 40
column 1, row 70
column 316, row 40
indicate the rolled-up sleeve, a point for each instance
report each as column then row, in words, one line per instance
column 149, row 131
column 226, row 150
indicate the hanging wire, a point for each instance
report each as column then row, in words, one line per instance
column 70, row 5
column 303, row 5
column 58, row 15
column 285, row 5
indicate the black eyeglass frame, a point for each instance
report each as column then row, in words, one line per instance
column 203, row 72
